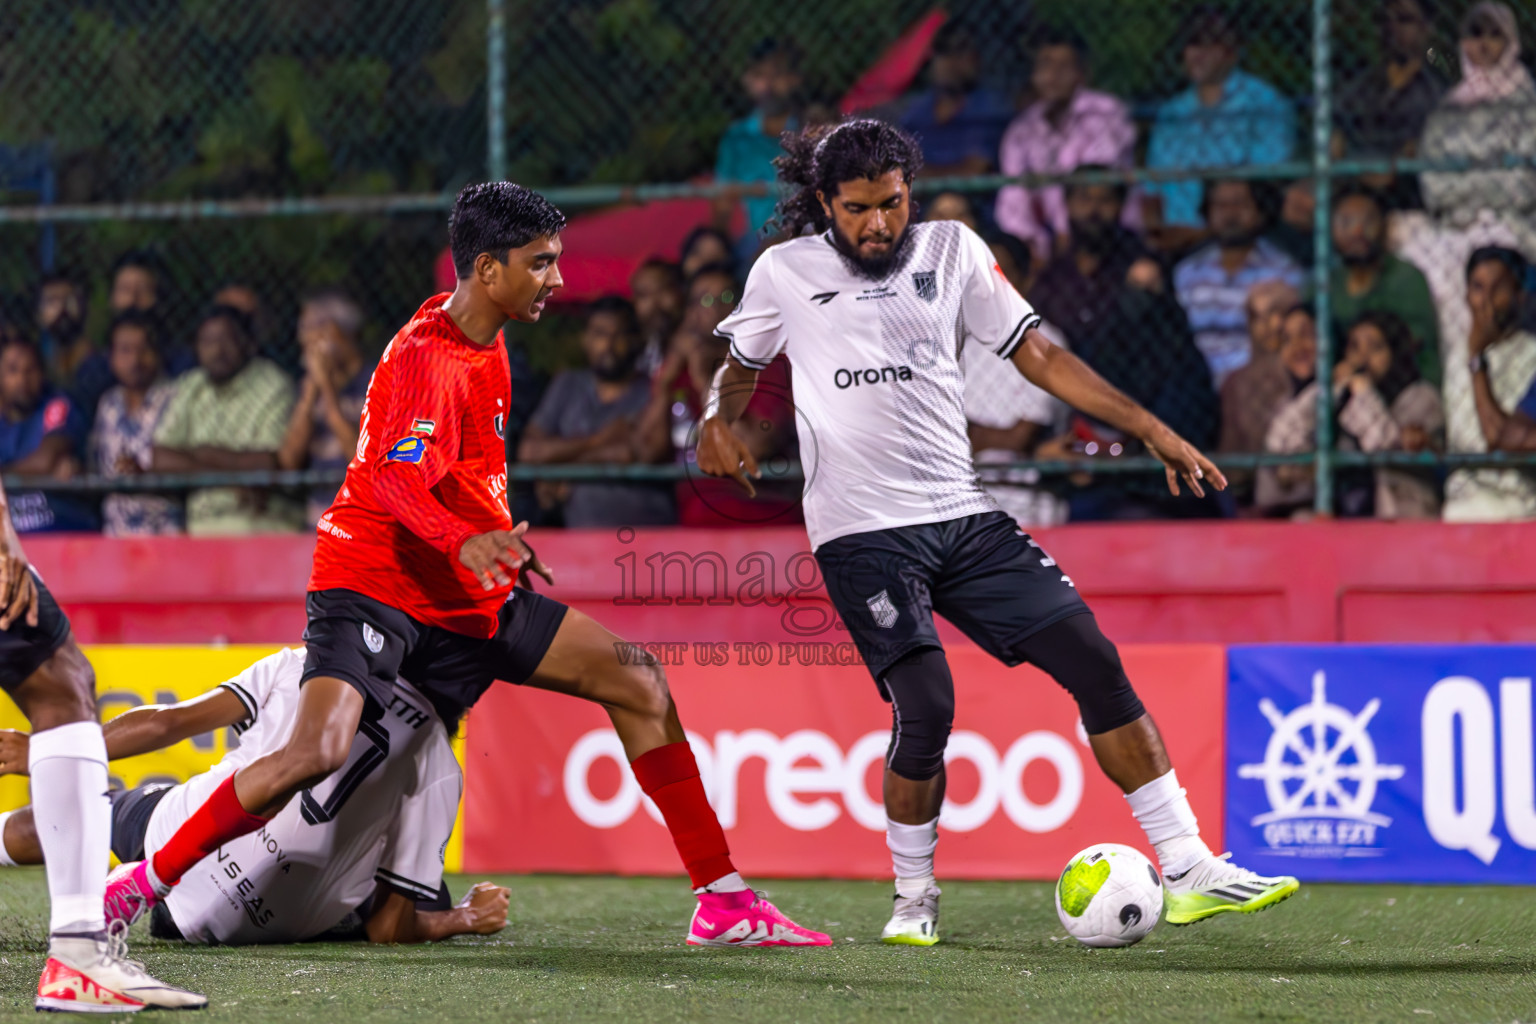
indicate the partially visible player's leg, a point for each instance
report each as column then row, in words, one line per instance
column 87, row 969
column 922, row 694
column 353, row 646
column 879, row 584
column 18, row 839
column 1130, row 750
column 325, row 724
column 585, row 660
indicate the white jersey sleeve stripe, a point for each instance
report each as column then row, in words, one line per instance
column 420, row 890
column 740, row 357
column 1017, row 337
column 251, row 710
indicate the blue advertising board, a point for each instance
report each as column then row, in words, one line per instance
column 1382, row 763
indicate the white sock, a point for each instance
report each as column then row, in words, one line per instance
column 912, row 849
column 732, row 882
column 6, row 860
column 74, row 821
column 1163, row 812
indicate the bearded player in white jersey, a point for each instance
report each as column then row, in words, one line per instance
column 364, row 848
column 873, row 314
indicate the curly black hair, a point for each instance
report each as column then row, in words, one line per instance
column 822, row 157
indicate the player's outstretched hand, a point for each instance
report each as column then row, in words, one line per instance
column 491, row 556
column 1182, row 459
column 18, row 590
column 13, row 752
column 485, row 908
column 722, row 453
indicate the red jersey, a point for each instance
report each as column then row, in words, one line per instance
column 430, row 472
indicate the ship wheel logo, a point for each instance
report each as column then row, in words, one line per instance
column 1320, row 761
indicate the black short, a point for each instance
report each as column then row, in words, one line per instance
column 368, row 644
column 981, row 572
column 131, row 811
column 24, row 648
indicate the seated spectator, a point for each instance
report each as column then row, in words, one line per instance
column 1381, row 404
column 61, row 338
column 1226, row 118
column 243, row 296
column 952, row 206
column 1254, row 392
column 593, row 415
column 41, row 434
column 1295, row 231
column 767, row 425
column 1068, row 126
column 705, row 246
column 1381, row 111
column 322, row 430
column 656, row 289
column 1500, row 368
column 138, row 283
column 1112, row 302
column 1489, row 115
column 229, row 414
column 1370, row 278
column 123, row 438
column 958, row 122
column 1281, row 491
column 747, row 150
column 1213, row 283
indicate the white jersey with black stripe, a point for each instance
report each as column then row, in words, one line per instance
column 384, row 816
column 878, row 388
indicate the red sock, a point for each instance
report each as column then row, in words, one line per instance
column 220, row 819
column 670, row 776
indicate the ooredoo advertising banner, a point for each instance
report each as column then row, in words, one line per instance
column 790, row 740
column 1401, row 763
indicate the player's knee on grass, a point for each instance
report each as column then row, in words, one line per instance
column 1076, row 654
column 922, row 693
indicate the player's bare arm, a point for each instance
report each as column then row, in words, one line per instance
column 395, row 919
column 1058, row 371
column 18, row 592
column 143, row 729
column 721, row 452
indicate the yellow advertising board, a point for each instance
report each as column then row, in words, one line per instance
column 130, row 675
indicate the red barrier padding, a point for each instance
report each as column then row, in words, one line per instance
column 791, row 756
column 1210, row 582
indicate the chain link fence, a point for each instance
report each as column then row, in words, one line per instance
column 1163, row 177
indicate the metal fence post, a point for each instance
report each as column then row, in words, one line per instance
column 496, row 90
column 1322, row 130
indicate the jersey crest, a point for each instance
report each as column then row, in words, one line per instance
column 883, row 610
column 927, row 284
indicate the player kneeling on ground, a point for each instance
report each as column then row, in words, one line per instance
column 873, row 314
column 359, row 855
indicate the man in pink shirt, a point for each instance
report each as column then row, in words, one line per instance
column 1068, row 126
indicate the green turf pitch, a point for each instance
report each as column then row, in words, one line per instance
column 605, row 949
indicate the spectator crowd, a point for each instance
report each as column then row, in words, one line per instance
column 1193, row 294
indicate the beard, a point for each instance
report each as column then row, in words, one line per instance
column 613, row 371
column 875, row 268
column 1369, row 257
column 1238, row 238
column 65, row 329
column 1094, row 237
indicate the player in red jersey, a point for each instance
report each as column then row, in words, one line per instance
column 414, row 574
